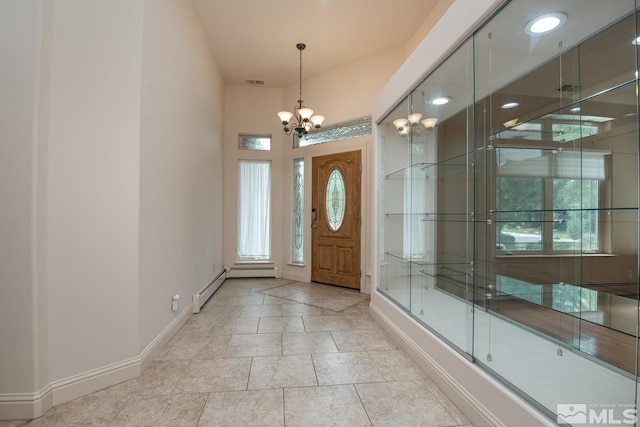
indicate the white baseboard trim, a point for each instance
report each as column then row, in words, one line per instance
column 480, row 397
column 253, row 271
column 20, row 406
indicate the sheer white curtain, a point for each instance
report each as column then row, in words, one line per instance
column 254, row 210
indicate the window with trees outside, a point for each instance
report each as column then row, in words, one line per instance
column 548, row 200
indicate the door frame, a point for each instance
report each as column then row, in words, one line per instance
column 364, row 144
column 350, row 214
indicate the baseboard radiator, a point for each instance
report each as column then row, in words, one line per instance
column 203, row 295
column 254, row 271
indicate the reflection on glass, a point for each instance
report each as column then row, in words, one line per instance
column 575, row 215
column 573, row 299
column 520, row 203
column 512, row 233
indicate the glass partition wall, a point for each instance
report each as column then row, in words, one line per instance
column 509, row 202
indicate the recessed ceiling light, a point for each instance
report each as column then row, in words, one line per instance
column 509, row 105
column 441, row 100
column 575, row 109
column 545, row 23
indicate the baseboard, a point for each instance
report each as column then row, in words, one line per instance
column 201, row 297
column 480, row 397
column 294, row 273
column 253, row 271
column 22, row 406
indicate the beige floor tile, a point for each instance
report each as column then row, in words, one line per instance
column 177, row 410
column 364, row 340
column 285, row 295
column 228, row 290
column 396, row 365
column 241, row 351
column 359, row 309
column 308, row 342
column 282, row 371
column 340, row 303
column 404, row 403
column 196, row 327
column 91, row 410
column 270, row 325
column 325, row 323
column 361, row 322
column 209, row 347
column 227, row 326
column 274, row 310
column 345, row 368
column 159, row 378
column 210, row 311
column 448, row 404
column 297, row 309
column 252, row 299
column 244, row 408
column 254, row 345
column 324, row 406
column 270, row 300
column 204, row 376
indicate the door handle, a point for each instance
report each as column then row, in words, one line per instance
column 314, row 226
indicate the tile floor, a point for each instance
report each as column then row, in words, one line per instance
column 271, row 352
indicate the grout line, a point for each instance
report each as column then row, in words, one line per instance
column 119, row 410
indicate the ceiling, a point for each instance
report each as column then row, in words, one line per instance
column 256, row 39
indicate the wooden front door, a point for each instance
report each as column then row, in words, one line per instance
column 335, row 235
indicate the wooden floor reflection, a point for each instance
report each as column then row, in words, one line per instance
column 608, row 345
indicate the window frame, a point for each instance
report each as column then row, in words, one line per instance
column 548, row 211
column 255, row 258
column 246, row 136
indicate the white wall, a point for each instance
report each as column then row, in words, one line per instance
column 181, row 162
column 92, row 184
column 111, row 173
column 251, row 110
column 19, row 47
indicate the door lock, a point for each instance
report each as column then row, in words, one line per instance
column 314, row 226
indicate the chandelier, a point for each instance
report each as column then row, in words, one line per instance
column 302, row 118
column 403, row 126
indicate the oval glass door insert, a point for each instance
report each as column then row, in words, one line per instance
column 335, row 199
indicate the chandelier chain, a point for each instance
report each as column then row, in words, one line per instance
column 300, row 97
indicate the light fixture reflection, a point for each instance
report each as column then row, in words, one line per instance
column 414, row 118
column 442, row 100
column 403, row 126
column 510, row 123
column 430, row 122
column 509, row 105
column 545, row 23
